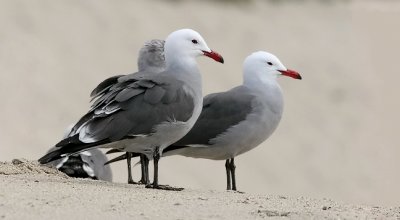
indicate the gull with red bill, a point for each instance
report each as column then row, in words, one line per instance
column 145, row 113
column 236, row 121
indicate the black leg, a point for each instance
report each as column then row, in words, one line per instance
column 146, row 170
column 128, row 160
column 228, row 175
column 144, row 161
column 233, row 168
column 156, row 158
column 155, row 184
column 142, row 178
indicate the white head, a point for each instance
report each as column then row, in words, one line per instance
column 151, row 56
column 187, row 44
column 264, row 67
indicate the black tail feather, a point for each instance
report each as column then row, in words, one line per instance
column 69, row 146
column 173, row 147
column 114, row 151
column 123, row 156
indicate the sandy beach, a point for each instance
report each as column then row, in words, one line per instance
column 28, row 191
column 338, row 137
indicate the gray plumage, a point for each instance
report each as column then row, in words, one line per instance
column 230, row 124
column 164, row 100
column 236, row 121
column 150, row 59
column 220, row 112
column 87, row 164
column 152, row 111
column 151, row 56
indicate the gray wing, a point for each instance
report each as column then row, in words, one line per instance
column 100, row 90
column 133, row 106
column 105, row 92
column 104, row 86
column 220, row 112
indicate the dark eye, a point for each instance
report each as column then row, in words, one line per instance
column 269, row 63
column 195, row 41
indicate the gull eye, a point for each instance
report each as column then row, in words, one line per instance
column 269, row 63
column 195, row 41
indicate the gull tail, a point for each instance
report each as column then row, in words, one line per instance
column 68, row 146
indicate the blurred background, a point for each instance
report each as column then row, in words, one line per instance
column 339, row 134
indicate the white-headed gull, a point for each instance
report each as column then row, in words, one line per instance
column 150, row 59
column 145, row 113
column 86, row 164
column 236, row 121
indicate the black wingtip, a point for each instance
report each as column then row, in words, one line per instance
column 119, row 158
column 174, row 147
column 68, row 146
column 122, row 157
column 113, row 151
column 56, row 154
column 51, row 156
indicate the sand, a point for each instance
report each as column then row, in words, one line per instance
column 338, row 137
column 33, row 191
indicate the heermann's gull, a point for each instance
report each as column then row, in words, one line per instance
column 151, row 59
column 236, row 121
column 145, row 113
column 86, row 164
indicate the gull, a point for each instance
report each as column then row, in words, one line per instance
column 150, row 59
column 145, row 113
column 86, row 164
column 238, row 120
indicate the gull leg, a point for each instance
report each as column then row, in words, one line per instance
column 155, row 184
column 228, row 175
column 233, row 168
column 128, row 161
column 156, row 158
column 145, row 169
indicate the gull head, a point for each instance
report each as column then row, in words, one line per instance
column 262, row 66
column 151, row 56
column 187, row 43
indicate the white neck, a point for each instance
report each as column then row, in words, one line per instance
column 265, row 88
column 185, row 63
column 253, row 77
column 185, row 68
